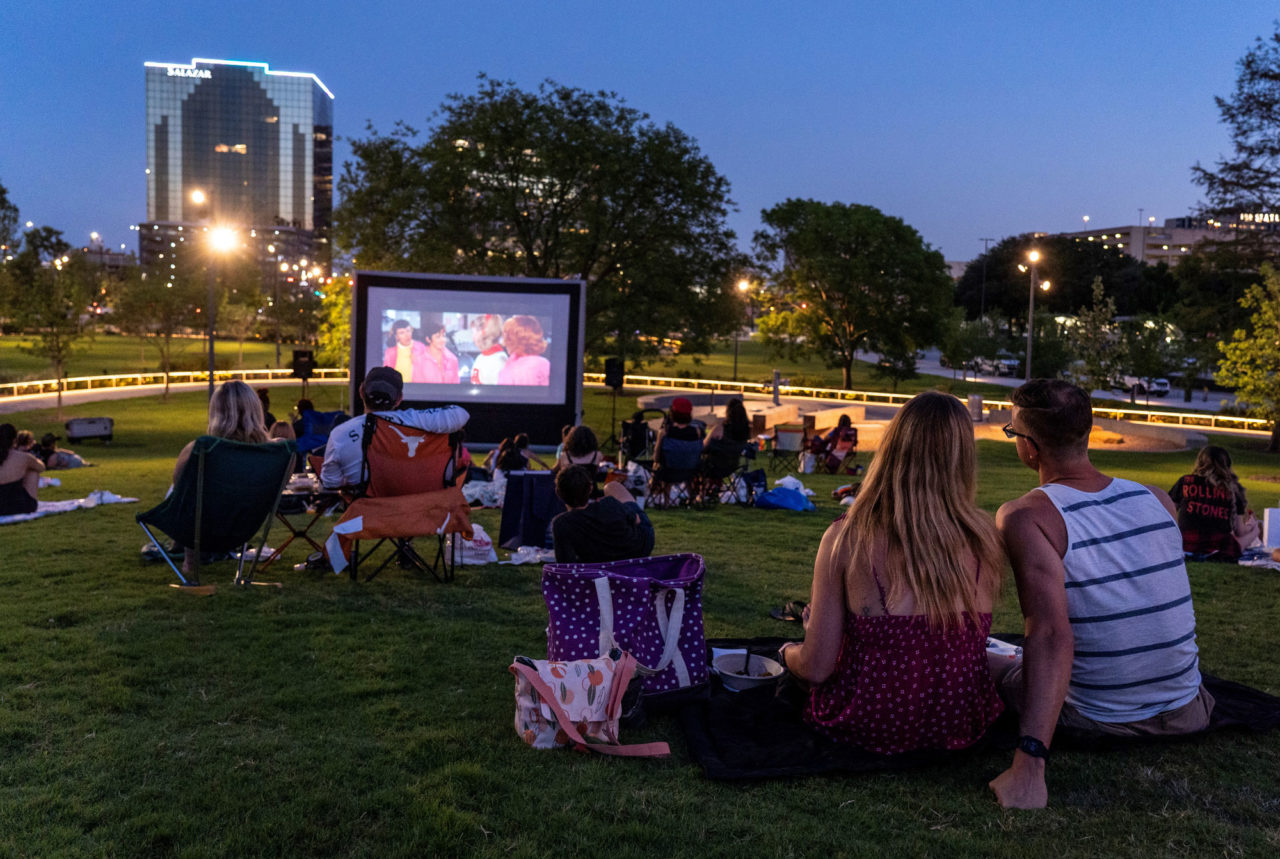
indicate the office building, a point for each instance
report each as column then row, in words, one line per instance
column 239, row 144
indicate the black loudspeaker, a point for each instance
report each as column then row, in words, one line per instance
column 303, row 363
column 613, row 372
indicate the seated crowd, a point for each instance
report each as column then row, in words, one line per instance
column 894, row 656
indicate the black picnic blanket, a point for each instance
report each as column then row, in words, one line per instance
column 759, row 733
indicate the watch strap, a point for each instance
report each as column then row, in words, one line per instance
column 1033, row 747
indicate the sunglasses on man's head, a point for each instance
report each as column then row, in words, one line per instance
column 1010, row 432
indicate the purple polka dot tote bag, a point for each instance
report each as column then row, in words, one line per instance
column 649, row 607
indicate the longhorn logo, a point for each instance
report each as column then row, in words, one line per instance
column 412, row 441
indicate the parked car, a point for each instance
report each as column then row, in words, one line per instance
column 1148, row 387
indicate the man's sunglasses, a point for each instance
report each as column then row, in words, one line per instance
column 1010, row 432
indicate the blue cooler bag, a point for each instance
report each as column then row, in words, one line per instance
column 649, row 607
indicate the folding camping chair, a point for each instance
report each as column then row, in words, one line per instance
column 788, row 444
column 674, row 481
column 313, row 429
column 638, row 438
column 408, row 491
column 723, row 468
column 227, row 491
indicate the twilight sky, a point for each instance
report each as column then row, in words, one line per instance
column 965, row 119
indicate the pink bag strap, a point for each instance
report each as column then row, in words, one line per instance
column 635, row 750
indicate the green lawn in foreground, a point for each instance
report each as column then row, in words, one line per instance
column 376, row 719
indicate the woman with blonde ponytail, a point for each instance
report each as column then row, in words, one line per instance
column 903, row 585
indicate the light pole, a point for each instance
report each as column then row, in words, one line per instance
column 221, row 240
column 744, row 287
column 1033, row 257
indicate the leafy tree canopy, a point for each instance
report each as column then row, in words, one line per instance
column 1249, row 178
column 1071, row 266
column 554, row 183
column 1251, row 361
column 8, row 223
column 855, row 278
column 1099, row 348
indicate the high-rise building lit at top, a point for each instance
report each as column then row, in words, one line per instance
column 241, row 144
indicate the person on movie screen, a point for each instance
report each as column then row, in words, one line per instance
column 406, row 355
column 492, row 358
column 525, row 344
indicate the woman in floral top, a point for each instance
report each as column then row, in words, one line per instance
column 903, row 585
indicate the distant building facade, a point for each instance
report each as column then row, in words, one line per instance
column 1178, row 237
column 238, row 144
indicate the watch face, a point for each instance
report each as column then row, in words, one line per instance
column 1033, row 747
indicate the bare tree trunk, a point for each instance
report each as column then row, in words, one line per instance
column 1274, row 446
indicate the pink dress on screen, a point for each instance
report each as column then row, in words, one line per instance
column 525, row 370
column 901, row 685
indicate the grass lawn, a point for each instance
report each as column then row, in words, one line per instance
column 376, row 719
column 110, row 355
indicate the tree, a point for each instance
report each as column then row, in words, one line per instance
column 236, row 320
column 1249, row 179
column 1149, row 348
column 335, row 323
column 555, row 183
column 157, row 305
column 856, row 278
column 1071, row 265
column 54, row 291
column 1251, row 361
column 8, row 223
column 1099, row 350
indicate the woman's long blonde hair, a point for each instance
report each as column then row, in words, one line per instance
column 920, row 498
column 235, row 412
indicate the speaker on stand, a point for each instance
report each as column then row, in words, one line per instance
column 613, row 375
column 304, row 363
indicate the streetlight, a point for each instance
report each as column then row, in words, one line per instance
column 221, row 240
column 744, row 287
column 1033, row 257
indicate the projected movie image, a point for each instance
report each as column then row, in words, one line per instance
column 489, row 346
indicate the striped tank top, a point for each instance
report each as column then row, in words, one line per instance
column 1129, row 603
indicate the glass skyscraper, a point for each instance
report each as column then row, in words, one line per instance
column 239, row 144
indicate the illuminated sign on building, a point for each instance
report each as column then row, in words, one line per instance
column 1260, row 217
column 183, row 72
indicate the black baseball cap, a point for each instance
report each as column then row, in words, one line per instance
column 383, row 386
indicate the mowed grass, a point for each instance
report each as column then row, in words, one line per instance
column 109, row 355
column 375, row 719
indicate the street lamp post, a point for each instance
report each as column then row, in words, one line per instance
column 221, row 240
column 1033, row 257
column 744, row 286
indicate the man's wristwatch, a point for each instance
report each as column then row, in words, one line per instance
column 1031, row 746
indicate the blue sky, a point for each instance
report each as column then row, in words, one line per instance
column 965, row 119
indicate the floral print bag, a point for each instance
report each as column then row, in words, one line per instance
column 576, row 704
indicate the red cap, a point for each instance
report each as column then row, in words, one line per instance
column 681, row 406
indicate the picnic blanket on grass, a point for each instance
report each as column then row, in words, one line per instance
column 48, row 508
column 759, row 733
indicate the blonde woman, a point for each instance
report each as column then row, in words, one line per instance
column 903, row 585
column 492, row 357
column 235, row 413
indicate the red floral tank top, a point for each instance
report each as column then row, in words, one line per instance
column 901, row 685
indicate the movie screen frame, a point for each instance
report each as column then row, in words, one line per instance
column 507, row 349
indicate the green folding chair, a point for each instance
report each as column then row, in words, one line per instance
column 227, row 491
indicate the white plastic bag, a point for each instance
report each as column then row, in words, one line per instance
column 793, row 482
column 478, row 550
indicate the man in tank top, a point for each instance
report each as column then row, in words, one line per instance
column 1110, row 631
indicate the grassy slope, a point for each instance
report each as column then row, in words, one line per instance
column 108, row 355
column 375, row 719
